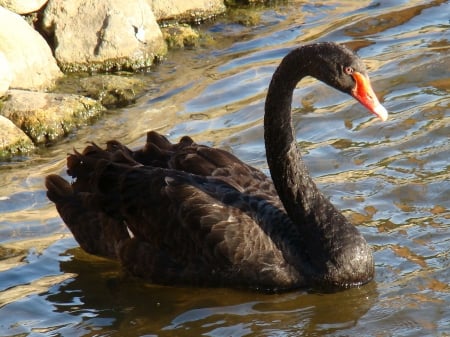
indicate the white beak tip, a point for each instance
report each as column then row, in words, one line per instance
column 381, row 112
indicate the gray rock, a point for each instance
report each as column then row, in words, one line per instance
column 103, row 35
column 29, row 57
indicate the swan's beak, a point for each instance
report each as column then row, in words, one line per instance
column 364, row 94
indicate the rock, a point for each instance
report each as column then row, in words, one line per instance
column 244, row 16
column 6, row 74
column 46, row 117
column 181, row 36
column 23, row 6
column 29, row 56
column 103, row 35
column 13, row 141
column 192, row 11
column 112, row 91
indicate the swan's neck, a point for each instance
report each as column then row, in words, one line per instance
column 337, row 252
column 294, row 185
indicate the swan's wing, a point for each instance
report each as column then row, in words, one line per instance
column 205, row 161
column 207, row 231
column 185, row 155
column 186, row 228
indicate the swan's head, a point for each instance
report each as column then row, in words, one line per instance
column 343, row 70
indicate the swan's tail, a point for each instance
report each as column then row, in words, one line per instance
column 82, row 208
column 105, row 184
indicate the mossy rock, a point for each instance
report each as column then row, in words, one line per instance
column 247, row 17
column 181, row 36
column 47, row 117
column 13, row 141
column 112, row 91
column 114, row 64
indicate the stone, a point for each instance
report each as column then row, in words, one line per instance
column 193, row 11
column 47, row 117
column 13, row 141
column 28, row 54
column 23, row 6
column 6, row 74
column 111, row 90
column 104, row 35
column 181, row 36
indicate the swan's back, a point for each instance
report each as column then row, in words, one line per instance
column 197, row 215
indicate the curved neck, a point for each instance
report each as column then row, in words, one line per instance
column 336, row 251
column 297, row 191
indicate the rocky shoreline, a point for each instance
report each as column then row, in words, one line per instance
column 42, row 42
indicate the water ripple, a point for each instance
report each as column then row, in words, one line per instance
column 391, row 179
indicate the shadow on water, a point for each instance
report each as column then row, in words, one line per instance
column 97, row 298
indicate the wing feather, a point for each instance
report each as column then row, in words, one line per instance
column 196, row 214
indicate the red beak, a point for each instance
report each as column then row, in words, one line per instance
column 364, row 94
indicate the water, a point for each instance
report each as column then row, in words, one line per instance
column 391, row 179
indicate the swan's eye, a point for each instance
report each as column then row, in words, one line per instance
column 348, row 70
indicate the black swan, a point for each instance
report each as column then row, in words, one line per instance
column 188, row 214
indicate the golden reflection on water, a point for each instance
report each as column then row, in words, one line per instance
column 391, row 179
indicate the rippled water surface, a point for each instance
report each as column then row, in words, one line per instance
column 391, row 179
